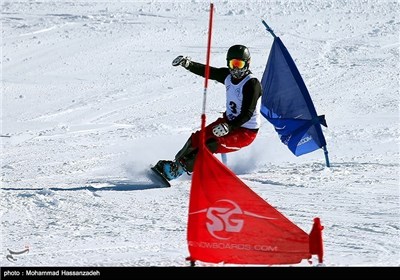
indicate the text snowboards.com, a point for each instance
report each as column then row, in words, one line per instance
column 31, row 272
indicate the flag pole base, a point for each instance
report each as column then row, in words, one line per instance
column 316, row 242
column 326, row 156
column 192, row 262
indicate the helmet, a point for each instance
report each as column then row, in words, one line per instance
column 238, row 52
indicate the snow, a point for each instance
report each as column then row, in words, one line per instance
column 90, row 100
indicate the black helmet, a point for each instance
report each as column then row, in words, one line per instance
column 238, row 52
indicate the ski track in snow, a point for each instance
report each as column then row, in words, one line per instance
column 90, row 99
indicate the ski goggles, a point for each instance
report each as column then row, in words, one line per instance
column 236, row 63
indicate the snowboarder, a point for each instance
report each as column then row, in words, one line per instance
column 239, row 124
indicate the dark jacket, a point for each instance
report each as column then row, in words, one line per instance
column 251, row 90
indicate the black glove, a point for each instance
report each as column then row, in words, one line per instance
column 183, row 61
column 221, row 129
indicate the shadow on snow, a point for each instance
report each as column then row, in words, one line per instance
column 109, row 186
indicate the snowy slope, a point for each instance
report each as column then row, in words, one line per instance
column 90, row 99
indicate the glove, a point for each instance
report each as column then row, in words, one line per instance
column 221, row 129
column 183, row 61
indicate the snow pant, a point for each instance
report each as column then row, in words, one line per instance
column 233, row 141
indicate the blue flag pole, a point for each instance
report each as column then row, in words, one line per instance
column 326, row 156
column 269, row 28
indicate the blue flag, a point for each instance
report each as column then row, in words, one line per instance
column 287, row 104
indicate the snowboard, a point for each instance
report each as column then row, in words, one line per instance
column 157, row 177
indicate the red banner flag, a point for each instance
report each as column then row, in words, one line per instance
column 230, row 223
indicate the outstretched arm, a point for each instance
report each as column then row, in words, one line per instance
column 216, row 74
